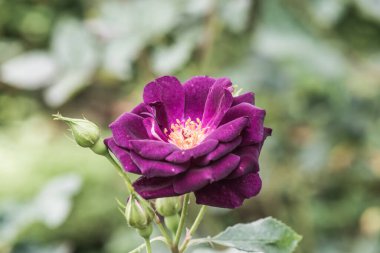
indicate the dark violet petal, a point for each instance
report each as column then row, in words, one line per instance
column 167, row 96
column 196, row 91
column 222, row 149
column 196, row 179
column 153, row 130
column 229, row 131
column 142, row 110
column 158, row 187
column 182, row 156
column 123, row 156
column 248, row 97
column 152, row 149
column 218, row 101
column 249, row 160
column 229, row 193
column 151, row 168
column 254, row 133
column 128, row 127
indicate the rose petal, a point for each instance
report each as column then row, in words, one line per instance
column 195, row 179
column 123, row 156
column 254, row 133
column 152, row 168
column 181, row 156
column 152, row 149
column 249, row 161
column 128, row 127
column 196, row 91
column 142, row 110
column 248, row 97
column 229, row 193
column 221, row 150
column 229, row 131
column 158, row 187
column 153, row 130
column 167, row 96
column 218, row 101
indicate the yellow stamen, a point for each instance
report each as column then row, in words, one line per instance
column 186, row 134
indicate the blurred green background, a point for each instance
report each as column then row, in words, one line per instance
column 314, row 66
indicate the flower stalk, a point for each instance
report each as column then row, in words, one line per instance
column 193, row 228
column 181, row 225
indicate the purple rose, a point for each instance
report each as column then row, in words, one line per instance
column 194, row 137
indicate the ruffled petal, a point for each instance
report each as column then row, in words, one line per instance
column 182, row 156
column 218, row 101
column 196, row 91
column 248, row 97
column 158, row 187
column 153, row 130
column 229, row 131
column 249, row 161
column 195, row 179
column 128, row 127
column 221, row 150
column 167, row 96
column 152, row 168
column 229, row 193
column 142, row 110
column 152, row 149
column 123, row 156
column 254, row 133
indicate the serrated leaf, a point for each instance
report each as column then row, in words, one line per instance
column 265, row 235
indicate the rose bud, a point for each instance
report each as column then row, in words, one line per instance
column 168, row 206
column 85, row 132
column 138, row 214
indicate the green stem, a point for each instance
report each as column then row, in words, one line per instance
column 121, row 172
column 142, row 246
column 193, row 228
column 182, row 220
column 163, row 230
column 148, row 246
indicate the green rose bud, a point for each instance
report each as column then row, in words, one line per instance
column 172, row 222
column 168, row 206
column 138, row 214
column 146, row 232
column 85, row 133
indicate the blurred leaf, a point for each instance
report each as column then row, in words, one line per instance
column 130, row 26
column 74, row 49
column 51, row 206
column 30, row 71
column 371, row 8
column 53, row 203
column 235, row 13
column 168, row 59
column 207, row 250
column 265, row 235
column 66, row 86
column 327, row 12
column 120, row 54
column 303, row 51
column 9, row 49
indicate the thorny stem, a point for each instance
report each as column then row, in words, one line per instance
column 193, row 228
column 182, row 220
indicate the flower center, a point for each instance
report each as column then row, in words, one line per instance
column 186, row 134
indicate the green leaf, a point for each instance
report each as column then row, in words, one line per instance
column 265, row 235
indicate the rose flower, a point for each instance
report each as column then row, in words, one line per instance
column 196, row 137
